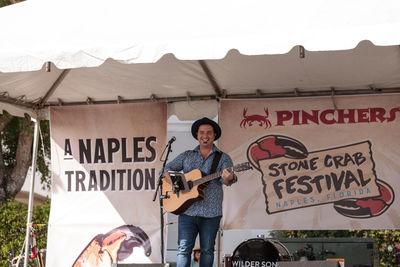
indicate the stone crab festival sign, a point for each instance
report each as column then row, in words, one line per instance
column 318, row 163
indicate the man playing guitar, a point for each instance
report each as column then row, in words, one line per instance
column 202, row 217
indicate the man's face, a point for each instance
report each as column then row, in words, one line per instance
column 205, row 135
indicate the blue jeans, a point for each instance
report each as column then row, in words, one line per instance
column 188, row 228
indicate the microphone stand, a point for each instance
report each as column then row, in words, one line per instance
column 159, row 188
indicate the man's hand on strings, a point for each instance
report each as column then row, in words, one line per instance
column 227, row 176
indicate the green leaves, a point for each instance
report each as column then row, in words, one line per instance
column 44, row 153
column 13, row 218
column 4, row 3
column 9, row 137
column 9, row 144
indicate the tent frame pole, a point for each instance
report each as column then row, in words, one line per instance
column 31, row 191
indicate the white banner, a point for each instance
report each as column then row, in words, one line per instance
column 105, row 164
column 319, row 163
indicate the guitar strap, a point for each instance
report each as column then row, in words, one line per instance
column 215, row 162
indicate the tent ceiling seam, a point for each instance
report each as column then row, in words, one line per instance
column 54, row 87
column 211, row 78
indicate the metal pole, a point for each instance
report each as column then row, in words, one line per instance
column 31, row 192
column 219, row 246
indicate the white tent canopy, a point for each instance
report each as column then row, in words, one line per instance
column 188, row 50
column 65, row 52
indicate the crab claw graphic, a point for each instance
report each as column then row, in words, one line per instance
column 274, row 146
column 112, row 247
column 367, row 207
column 136, row 237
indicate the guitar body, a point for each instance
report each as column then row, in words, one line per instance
column 179, row 203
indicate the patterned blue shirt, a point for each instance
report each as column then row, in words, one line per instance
column 189, row 160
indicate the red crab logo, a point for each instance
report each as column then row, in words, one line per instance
column 261, row 120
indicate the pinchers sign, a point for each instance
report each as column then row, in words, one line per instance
column 283, row 118
column 295, row 178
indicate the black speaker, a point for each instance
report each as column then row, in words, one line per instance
column 308, row 264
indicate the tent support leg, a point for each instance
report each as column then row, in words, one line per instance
column 31, row 191
column 219, row 247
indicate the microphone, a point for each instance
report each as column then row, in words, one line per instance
column 173, row 139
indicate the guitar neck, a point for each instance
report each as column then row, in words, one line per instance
column 209, row 177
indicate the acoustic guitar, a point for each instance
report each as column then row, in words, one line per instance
column 183, row 190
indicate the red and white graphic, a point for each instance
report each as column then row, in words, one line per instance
column 317, row 164
column 294, row 178
column 257, row 119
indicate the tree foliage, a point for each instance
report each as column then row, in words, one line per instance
column 13, row 228
column 4, row 3
column 8, row 2
column 44, row 153
column 384, row 239
column 16, row 138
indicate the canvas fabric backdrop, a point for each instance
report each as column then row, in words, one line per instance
column 318, row 163
column 105, row 164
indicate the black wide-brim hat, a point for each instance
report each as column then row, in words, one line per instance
column 205, row 120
